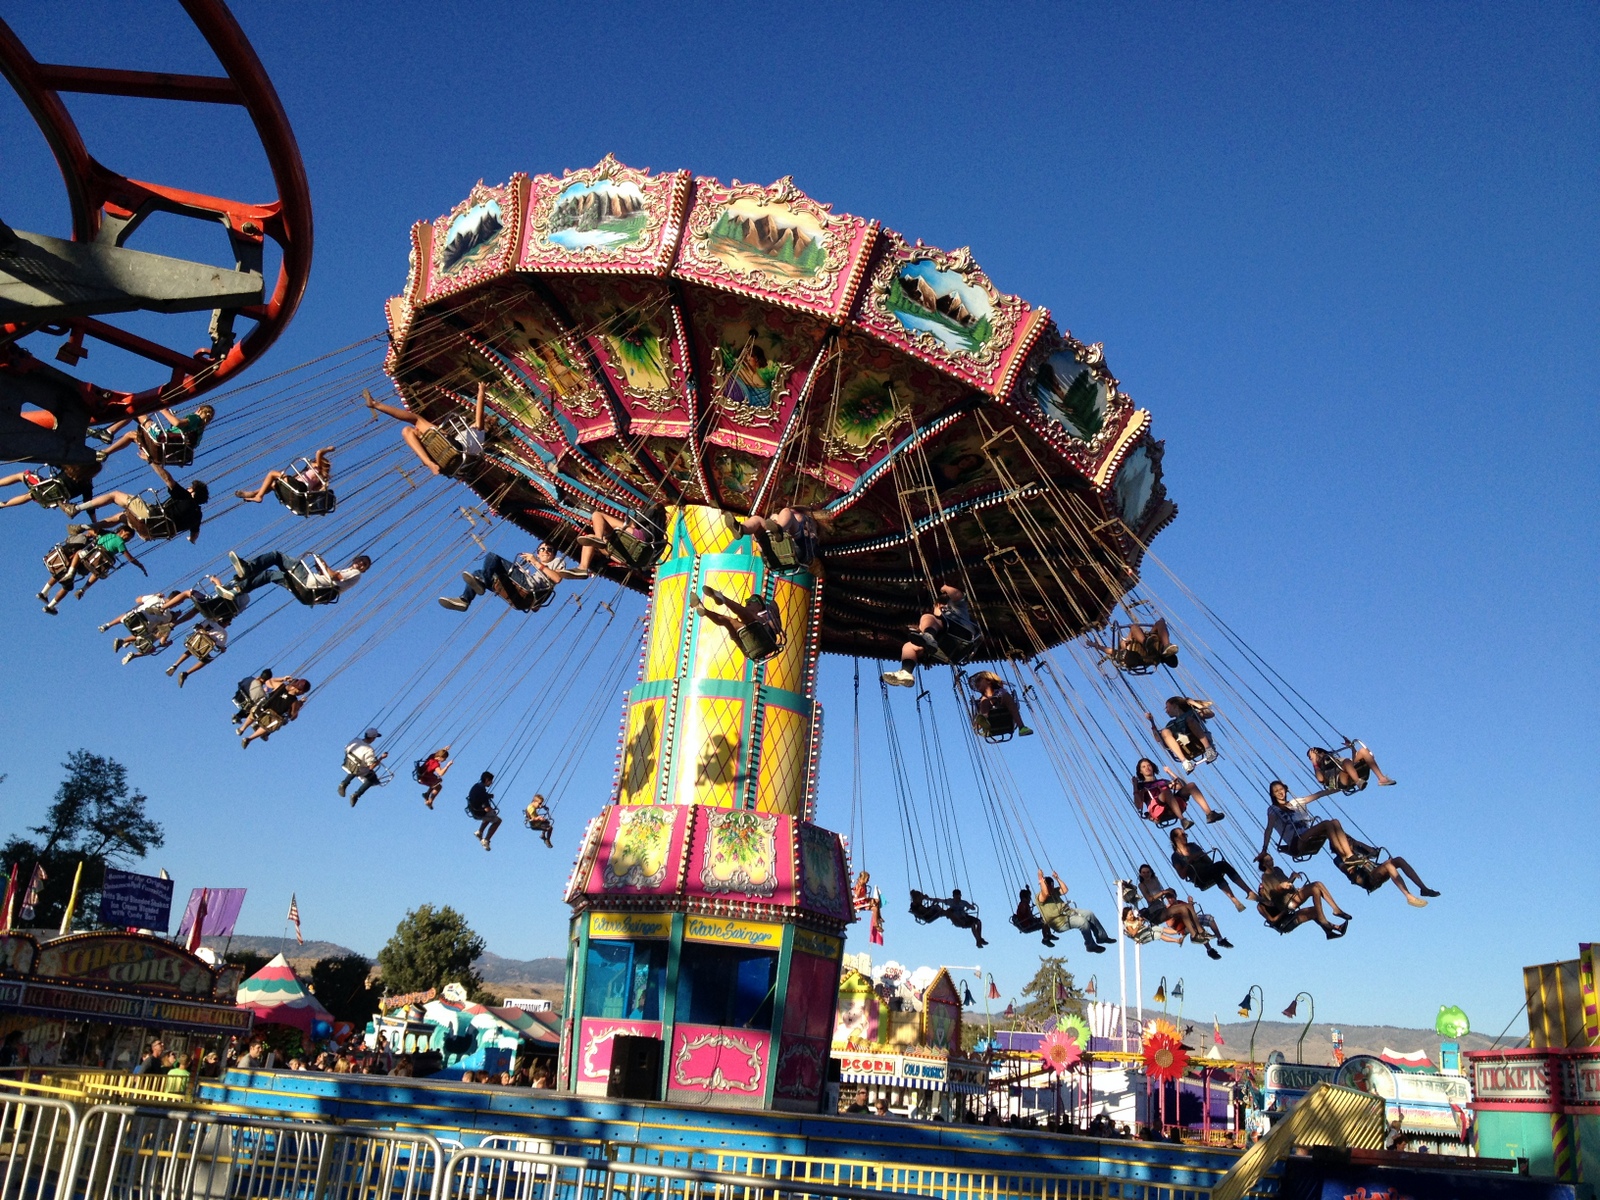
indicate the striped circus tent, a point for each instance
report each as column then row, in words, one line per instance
column 275, row 996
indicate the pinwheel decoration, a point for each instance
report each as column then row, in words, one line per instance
column 1060, row 1050
column 1164, row 1055
column 1074, row 1026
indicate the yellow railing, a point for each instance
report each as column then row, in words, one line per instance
column 92, row 1083
column 948, row 1183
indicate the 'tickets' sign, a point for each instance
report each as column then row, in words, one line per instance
column 1511, row 1079
column 122, row 960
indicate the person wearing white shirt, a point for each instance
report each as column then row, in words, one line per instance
column 1300, row 834
column 361, row 762
column 212, row 632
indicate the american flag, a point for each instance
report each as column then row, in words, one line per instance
column 294, row 916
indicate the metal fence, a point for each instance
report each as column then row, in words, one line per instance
column 38, row 1136
column 53, row 1149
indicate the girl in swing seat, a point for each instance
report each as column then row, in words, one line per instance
column 1337, row 774
column 950, row 612
column 1281, row 903
column 1164, row 801
column 1185, row 734
column 315, row 477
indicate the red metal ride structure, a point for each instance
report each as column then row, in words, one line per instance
column 64, row 288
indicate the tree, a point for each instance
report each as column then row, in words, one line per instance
column 94, row 819
column 249, row 960
column 430, row 948
column 1051, row 992
column 340, row 984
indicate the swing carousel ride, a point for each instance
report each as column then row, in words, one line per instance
column 794, row 432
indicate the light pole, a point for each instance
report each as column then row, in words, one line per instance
column 1290, row 1013
column 1244, row 1011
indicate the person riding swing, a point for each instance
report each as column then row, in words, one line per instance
column 537, row 818
column 281, row 703
column 787, row 540
column 172, row 446
column 205, row 643
column 1162, row 906
column 1281, row 903
column 90, row 552
column 310, row 583
column 305, row 489
column 1206, row 871
column 995, row 713
column 754, row 624
column 446, row 448
column 1162, row 801
column 148, row 625
column 362, row 762
column 430, row 772
column 1057, row 914
column 955, row 908
column 634, row 542
column 1185, row 734
column 948, row 634
column 1140, row 649
column 527, row 583
column 1369, row 870
column 75, row 481
column 1336, row 773
column 480, row 807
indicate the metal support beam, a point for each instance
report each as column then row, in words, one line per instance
column 45, row 279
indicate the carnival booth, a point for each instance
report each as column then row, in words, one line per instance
column 900, row 1042
column 98, row 999
column 476, row 1037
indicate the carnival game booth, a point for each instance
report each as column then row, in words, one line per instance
column 98, row 999
column 904, row 1047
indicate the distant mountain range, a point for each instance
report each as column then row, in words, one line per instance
column 503, row 975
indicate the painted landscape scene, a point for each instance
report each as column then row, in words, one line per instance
column 925, row 299
column 604, row 214
column 1067, row 390
column 471, row 238
column 751, row 236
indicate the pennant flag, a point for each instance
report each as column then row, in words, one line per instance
column 994, row 992
column 1216, row 1031
column 30, row 898
column 11, row 897
column 197, row 929
column 294, row 916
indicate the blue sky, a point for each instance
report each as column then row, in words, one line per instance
column 1346, row 256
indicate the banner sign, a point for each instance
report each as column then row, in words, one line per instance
column 136, row 901
column 222, row 912
column 630, row 925
column 755, row 934
column 149, row 1011
column 126, row 960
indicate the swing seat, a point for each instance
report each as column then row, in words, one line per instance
column 638, row 553
column 994, row 725
column 1332, row 767
column 420, row 774
column 299, row 582
column 924, row 910
column 523, row 596
column 202, row 645
column 98, row 562
column 294, row 496
column 155, row 525
column 220, row 608
column 59, row 557
column 954, row 644
column 758, row 642
column 1031, row 923
column 783, row 552
column 48, row 491
column 440, row 445
column 538, row 824
column 268, row 720
column 170, row 448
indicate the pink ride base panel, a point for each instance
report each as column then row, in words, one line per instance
column 719, row 1060
column 594, row 1045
